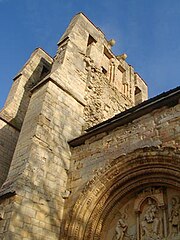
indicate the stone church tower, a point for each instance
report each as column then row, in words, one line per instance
column 82, row 154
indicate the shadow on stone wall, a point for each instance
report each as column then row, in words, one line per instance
column 11, row 126
column 8, row 140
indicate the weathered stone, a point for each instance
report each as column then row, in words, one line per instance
column 61, row 180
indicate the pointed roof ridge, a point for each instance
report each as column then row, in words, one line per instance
column 99, row 29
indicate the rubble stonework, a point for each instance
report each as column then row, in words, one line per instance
column 83, row 155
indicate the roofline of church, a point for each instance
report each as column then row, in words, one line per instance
column 169, row 98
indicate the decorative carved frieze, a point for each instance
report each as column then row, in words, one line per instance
column 153, row 214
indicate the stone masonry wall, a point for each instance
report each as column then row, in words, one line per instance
column 41, row 162
column 106, row 82
column 8, row 140
column 13, row 113
column 6, row 208
column 159, row 128
column 103, row 100
column 17, row 102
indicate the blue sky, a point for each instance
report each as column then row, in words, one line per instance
column 147, row 30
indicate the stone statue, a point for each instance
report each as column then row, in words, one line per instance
column 175, row 218
column 121, row 228
column 150, row 222
column 149, row 216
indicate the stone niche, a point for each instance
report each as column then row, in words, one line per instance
column 151, row 214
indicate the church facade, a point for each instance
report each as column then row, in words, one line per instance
column 83, row 153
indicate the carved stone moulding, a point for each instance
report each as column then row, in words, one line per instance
column 133, row 198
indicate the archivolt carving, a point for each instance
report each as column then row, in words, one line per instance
column 123, row 176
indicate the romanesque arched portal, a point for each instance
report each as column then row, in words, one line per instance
column 135, row 197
